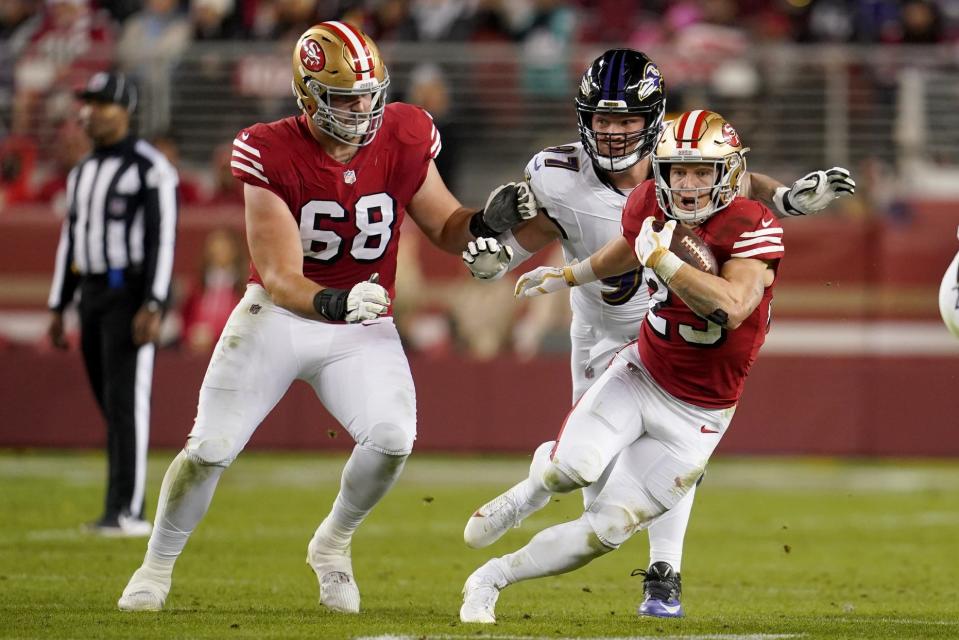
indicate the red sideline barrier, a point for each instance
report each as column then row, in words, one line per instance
column 828, row 258
column 891, row 406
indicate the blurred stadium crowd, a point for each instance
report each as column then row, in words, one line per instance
column 49, row 47
column 206, row 68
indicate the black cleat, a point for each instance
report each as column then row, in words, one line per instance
column 662, row 588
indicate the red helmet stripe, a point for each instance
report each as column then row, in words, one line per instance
column 687, row 131
column 700, row 118
column 362, row 58
column 680, row 127
column 366, row 49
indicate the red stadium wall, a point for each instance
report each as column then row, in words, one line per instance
column 863, row 267
column 838, row 269
column 895, row 406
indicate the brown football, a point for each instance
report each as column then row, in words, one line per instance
column 690, row 248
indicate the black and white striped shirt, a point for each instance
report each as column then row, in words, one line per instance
column 122, row 218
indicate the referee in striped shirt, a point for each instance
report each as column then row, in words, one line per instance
column 116, row 248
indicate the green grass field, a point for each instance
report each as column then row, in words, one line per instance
column 778, row 548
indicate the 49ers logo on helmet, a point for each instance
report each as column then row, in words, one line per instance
column 730, row 136
column 312, row 56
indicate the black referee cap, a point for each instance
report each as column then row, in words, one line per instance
column 111, row 87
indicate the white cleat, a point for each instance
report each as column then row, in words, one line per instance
column 123, row 527
column 129, row 527
column 146, row 591
column 334, row 571
column 494, row 519
column 479, row 599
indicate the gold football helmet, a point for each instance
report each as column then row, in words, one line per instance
column 699, row 137
column 335, row 59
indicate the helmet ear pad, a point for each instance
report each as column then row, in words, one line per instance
column 621, row 81
column 299, row 100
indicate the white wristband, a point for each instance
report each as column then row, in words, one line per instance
column 520, row 254
column 667, row 267
column 581, row 272
column 778, row 201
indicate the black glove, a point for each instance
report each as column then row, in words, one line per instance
column 507, row 206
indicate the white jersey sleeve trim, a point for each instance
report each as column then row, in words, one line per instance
column 762, row 232
column 755, row 241
column 256, row 165
column 758, row 251
column 437, row 143
column 250, row 170
column 245, row 147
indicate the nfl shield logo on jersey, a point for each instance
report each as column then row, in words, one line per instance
column 349, row 176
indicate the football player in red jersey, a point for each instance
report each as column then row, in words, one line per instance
column 325, row 194
column 645, row 430
column 581, row 188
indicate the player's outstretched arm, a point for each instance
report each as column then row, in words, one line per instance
column 507, row 206
column 491, row 258
column 727, row 299
column 487, row 259
column 442, row 217
column 810, row 194
column 450, row 225
column 277, row 252
column 614, row 258
column 761, row 187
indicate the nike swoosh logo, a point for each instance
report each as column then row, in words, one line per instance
column 671, row 608
column 536, row 164
column 703, row 429
column 766, row 223
column 244, row 135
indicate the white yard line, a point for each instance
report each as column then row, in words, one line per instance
column 765, row 473
column 50, row 535
column 855, row 620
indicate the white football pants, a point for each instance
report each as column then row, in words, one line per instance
column 358, row 371
column 592, row 350
column 662, row 445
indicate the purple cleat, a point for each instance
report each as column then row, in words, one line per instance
column 662, row 588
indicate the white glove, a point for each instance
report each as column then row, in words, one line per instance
column 542, row 280
column 650, row 245
column 652, row 249
column 814, row 191
column 487, row 259
column 366, row 300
